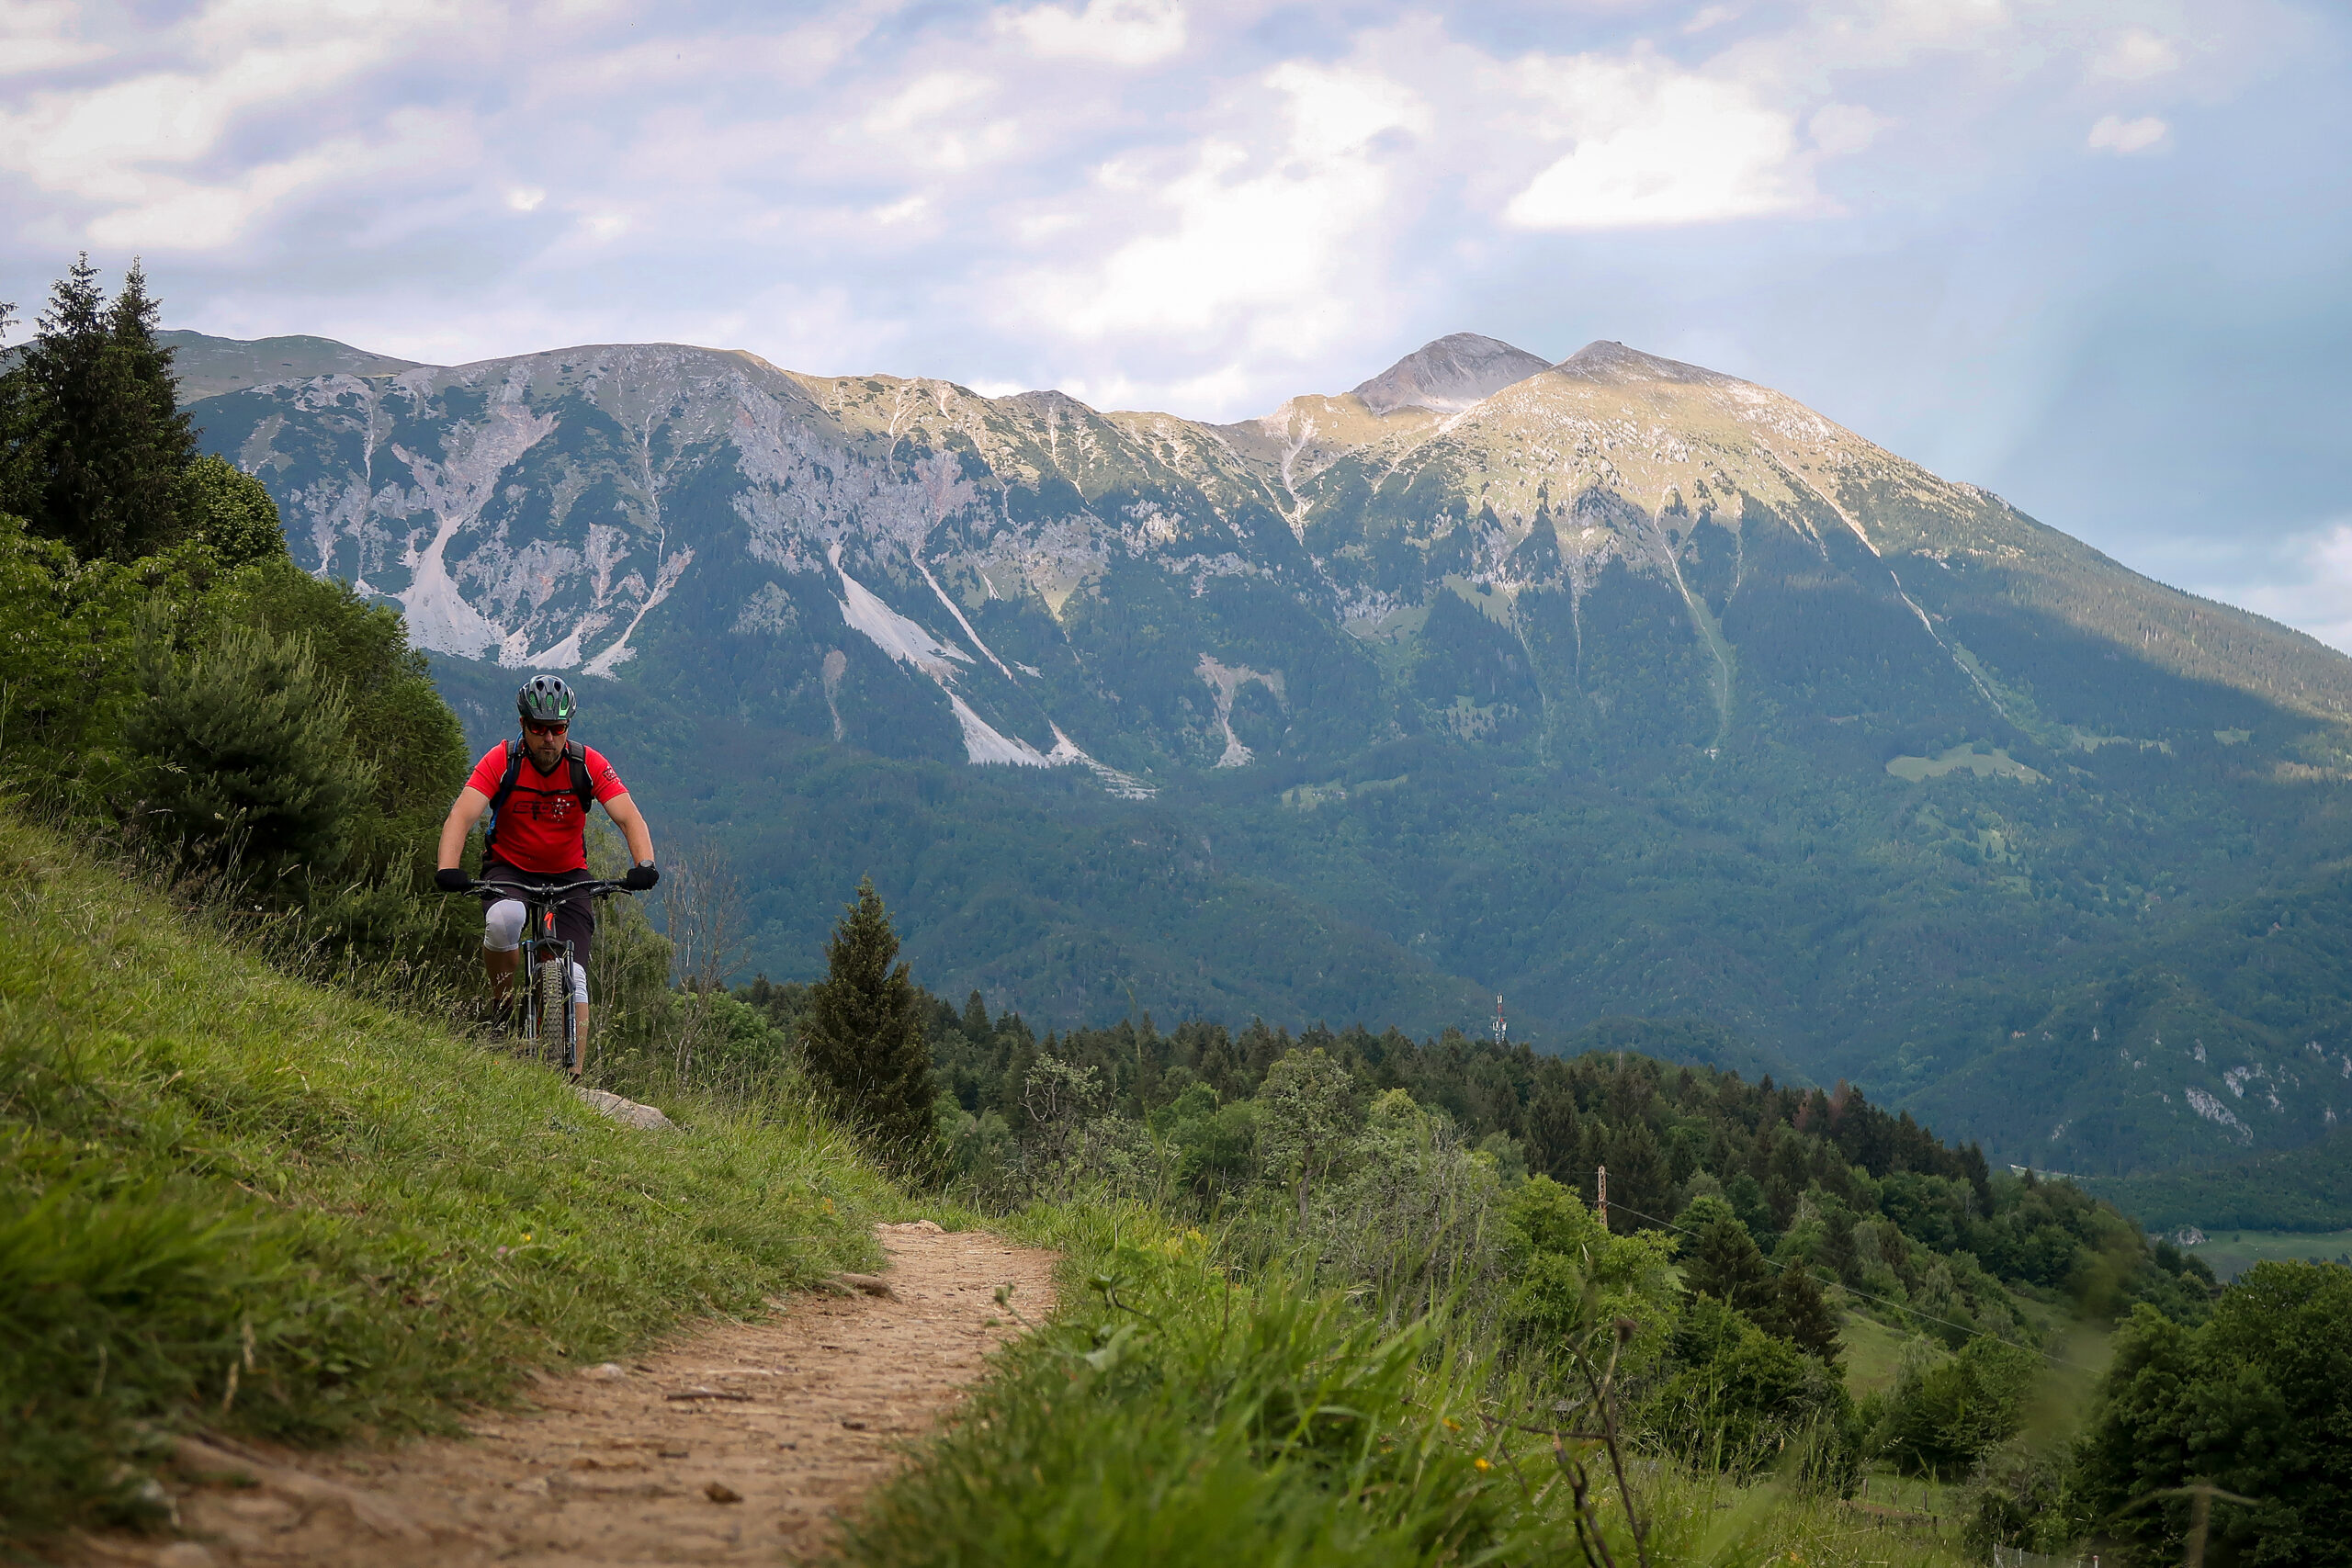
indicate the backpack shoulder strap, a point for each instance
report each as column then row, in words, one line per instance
column 581, row 785
column 505, row 789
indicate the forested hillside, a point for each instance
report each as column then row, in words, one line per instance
column 1619, row 687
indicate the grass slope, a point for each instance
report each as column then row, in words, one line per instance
column 230, row 1199
column 1174, row 1411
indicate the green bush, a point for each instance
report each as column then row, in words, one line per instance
column 70, row 670
column 1735, row 1396
column 230, row 512
column 1948, row 1415
column 247, row 758
column 2257, row 1401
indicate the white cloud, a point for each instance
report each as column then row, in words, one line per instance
column 2113, row 133
column 1655, row 144
column 526, row 198
column 1840, row 129
column 2136, row 55
column 1262, row 240
column 38, row 35
column 2316, row 596
column 1119, row 33
column 929, row 123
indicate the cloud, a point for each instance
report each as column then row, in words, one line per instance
column 2304, row 579
column 115, row 144
column 36, row 35
column 1118, row 32
column 2136, row 55
column 1840, row 129
column 1654, row 144
column 1261, row 239
column 2113, row 133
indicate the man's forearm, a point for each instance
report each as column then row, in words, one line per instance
column 453, row 839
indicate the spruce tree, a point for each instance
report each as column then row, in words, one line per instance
column 864, row 1034
column 1721, row 1260
column 96, row 446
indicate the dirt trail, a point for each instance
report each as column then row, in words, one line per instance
column 738, row 1444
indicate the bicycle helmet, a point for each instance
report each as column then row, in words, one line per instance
column 545, row 699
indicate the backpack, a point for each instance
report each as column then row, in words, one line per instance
column 573, row 754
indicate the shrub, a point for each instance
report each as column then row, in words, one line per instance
column 1736, row 1395
column 2254, row 1401
column 1948, row 1415
column 247, row 756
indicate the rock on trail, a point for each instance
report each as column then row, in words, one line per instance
column 738, row 1445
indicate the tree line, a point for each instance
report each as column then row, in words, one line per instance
column 176, row 685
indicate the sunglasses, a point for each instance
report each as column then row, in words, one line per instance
column 546, row 728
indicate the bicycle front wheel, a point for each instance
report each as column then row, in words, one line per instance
column 551, row 1007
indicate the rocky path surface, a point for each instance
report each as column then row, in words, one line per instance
column 742, row 1444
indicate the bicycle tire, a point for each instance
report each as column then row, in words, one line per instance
column 553, row 988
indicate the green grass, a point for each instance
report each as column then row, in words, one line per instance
column 1952, row 759
column 228, row 1198
column 1873, row 1353
column 1170, row 1412
column 2230, row 1253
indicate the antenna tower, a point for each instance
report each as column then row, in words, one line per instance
column 1502, row 1028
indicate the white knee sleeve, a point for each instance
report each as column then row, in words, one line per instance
column 502, row 926
column 579, row 985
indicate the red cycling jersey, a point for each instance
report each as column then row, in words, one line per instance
column 542, row 828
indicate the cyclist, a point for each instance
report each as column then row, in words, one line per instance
column 537, row 793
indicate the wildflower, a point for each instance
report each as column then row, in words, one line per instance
column 1482, row 1465
column 1452, row 1425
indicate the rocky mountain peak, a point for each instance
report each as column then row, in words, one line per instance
column 1611, row 362
column 1449, row 375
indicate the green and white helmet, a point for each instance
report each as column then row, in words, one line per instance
column 545, row 699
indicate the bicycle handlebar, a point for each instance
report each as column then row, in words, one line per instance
column 545, row 889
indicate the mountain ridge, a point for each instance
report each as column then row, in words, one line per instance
column 1628, row 687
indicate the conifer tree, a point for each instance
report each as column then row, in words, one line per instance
column 1721, row 1260
column 864, row 1034
column 93, row 445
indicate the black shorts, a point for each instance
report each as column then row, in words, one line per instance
column 575, row 917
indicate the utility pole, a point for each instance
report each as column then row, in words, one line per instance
column 1601, row 1183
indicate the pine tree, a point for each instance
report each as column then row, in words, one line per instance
column 96, row 446
column 864, row 1034
column 1722, row 1260
column 1551, row 1131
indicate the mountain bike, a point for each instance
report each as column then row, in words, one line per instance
column 546, row 1017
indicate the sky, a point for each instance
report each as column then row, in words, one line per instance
column 2096, row 257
